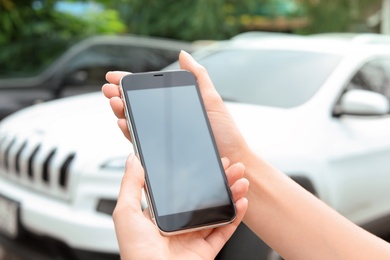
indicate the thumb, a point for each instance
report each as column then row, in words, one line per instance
column 206, row 86
column 133, row 181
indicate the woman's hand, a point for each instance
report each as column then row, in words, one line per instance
column 138, row 236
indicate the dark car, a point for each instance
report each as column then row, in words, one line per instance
column 81, row 68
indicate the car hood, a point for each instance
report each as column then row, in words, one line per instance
column 87, row 125
column 83, row 124
column 272, row 132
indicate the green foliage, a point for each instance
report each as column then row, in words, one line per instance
column 33, row 33
column 31, row 37
column 336, row 15
column 25, row 21
column 186, row 20
column 107, row 22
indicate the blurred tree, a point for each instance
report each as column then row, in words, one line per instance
column 186, row 20
column 21, row 18
column 337, row 15
column 36, row 32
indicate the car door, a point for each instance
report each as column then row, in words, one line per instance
column 359, row 169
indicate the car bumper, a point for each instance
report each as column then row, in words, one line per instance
column 76, row 227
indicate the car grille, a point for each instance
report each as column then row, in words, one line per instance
column 29, row 162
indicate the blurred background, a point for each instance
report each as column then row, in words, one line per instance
column 54, row 49
column 46, row 27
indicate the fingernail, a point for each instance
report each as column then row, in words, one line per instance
column 187, row 54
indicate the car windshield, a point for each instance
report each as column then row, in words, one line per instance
column 277, row 78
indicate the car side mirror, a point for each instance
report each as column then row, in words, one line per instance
column 362, row 102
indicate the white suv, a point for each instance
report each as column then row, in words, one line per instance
column 317, row 107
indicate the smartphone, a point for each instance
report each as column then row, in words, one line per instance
column 185, row 183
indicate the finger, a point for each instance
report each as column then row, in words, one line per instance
column 114, row 77
column 147, row 213
column 205, row 84
column 225, row 162
column 220, row 236
column 117, row 106
column 130, row 192
column 124, row 128
column 234, row 173
column 239, row 189
column 111, row 90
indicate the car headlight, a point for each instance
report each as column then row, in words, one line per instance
column 115, row 164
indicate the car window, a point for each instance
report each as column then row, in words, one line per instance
column 373, row 76
column 94, row 62
column 278, row 78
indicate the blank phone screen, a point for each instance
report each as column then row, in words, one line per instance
column 178, row 152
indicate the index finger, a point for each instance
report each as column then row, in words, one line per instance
column 114, row 77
